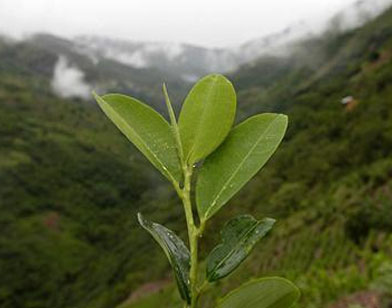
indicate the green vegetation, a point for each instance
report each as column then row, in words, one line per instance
column 65, row 201
column 69, row 234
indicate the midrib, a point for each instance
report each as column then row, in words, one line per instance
column 237, row 169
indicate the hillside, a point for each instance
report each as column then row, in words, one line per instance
column 330, row 184
column 39, row 55
column 71, row 184
column 332, row 178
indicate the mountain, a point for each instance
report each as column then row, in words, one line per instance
column 71, row 184
column 41, row 54
column 190, row 62
column 84, row 63
column 187, row 61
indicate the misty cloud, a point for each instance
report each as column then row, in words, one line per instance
column 68, row 81
column 223, row 24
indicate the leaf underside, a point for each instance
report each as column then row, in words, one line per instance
column 239, row 236
column 206, row 116
column 176, row 252
column 244, row 152
column 271, row 292
column 146, row 129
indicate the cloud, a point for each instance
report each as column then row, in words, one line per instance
column 218, row 23
column 68, row 81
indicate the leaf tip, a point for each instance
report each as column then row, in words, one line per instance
column 99, row 99
column 269, row 220
column 95, row 95
column 164, row 88
column 140, row 218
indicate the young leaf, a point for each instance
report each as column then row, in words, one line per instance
column 206, row 116
column 247, row 148
column 239, row 236
column 176, row 252
column 146, row 129
column 174, row 125
column 273, row 292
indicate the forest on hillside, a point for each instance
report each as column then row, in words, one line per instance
column 71, row 184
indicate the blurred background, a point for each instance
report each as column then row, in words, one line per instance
column 71, row 184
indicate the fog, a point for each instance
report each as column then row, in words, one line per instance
column 218, row 23
column 68, row 81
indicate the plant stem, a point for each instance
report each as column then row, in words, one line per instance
column 194, row 270
column 192, row 232
column 185, row 195
column 204, row 286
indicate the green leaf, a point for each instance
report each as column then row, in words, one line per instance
column 239, row 236
column 272, row 292
column 146, row 129
column 206, row 116
column 247, row 148
column 176, row 252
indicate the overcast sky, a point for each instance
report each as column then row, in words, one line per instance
column 213, row 23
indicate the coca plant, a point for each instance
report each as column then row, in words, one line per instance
column 227, row 158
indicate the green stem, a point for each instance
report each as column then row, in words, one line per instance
column 204, row 287
column 192, row 232
column 185, row 194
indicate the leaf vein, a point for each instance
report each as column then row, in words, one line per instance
column 224, row 187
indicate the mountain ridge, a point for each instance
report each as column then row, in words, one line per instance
column 136, row 68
